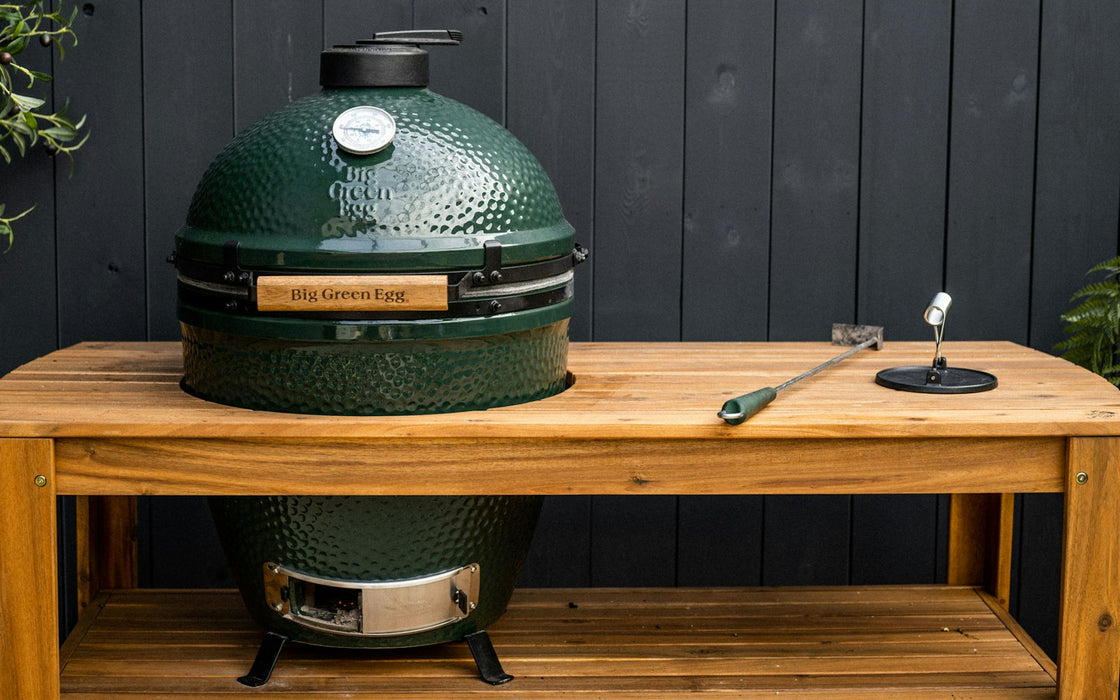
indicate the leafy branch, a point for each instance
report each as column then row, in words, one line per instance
column 1093, row 326
column 22, row 121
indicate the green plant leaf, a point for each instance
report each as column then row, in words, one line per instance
column 27, row 104
column 1093, row 325
column 22, row 123
column 59, row 133
column 20, row 142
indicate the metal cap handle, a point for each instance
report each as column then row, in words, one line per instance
column 442, row 37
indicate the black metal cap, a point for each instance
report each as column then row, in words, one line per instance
column 390, row 59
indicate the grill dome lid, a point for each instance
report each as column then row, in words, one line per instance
column 449, row 180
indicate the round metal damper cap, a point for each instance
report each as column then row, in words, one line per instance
column 364, row 130
column 936, row 380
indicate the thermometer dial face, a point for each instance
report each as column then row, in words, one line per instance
column 364, row 130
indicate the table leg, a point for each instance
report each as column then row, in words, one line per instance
column 1089, row 638
column 980, row 539
column 107, row 554
column 29, row 565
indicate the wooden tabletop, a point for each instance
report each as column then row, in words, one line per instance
column 634, row 390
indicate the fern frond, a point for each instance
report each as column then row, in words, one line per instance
column 1107, row 289
column 1093, row 325
column 1111, row 266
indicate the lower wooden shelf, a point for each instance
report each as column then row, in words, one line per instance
column 846, row 642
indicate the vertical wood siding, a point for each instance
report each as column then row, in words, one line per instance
column 741, row 169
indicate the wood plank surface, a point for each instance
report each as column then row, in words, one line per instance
column 28, row 551
column 620, row 391
column 980, row 538
column 549, row 65
column 1077, row 185
column 914, row 642
column 904, row 130
column 1089, row 642
column 200, row 466
column 1076, row 212
column 275, row 46
column 100, row 213
column 728, row 105
column 639, row 158
column 991, row 186
column 815, row 167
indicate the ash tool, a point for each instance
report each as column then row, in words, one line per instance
column 737, row 410
column 938, row 377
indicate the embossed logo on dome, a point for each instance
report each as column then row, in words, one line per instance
column 358, row 195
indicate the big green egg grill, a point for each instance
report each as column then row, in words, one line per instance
column 375, row 249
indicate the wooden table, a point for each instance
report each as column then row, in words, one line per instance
column 108, row 420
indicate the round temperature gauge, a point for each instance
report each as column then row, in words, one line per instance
column 364, row 130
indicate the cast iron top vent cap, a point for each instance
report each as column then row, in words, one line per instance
column 389, row 59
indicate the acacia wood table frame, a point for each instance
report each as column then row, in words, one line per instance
column 108, row 420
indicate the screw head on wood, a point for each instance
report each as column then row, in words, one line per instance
column 40, row 480
column 1082, row 477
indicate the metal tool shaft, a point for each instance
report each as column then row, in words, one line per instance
column 842, row 356
column 737, row 410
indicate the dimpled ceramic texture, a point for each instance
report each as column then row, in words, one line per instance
column 451, row 179
column 376, row 378
column 377, row 539
column 295, row 203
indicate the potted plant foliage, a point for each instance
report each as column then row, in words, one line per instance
column 23, row 121
column 1093, row 326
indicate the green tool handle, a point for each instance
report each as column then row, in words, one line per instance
column 740, row 408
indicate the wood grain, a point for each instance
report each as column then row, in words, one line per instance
column 1089, row 643
column 1076, row 185
column 980, row 538
column 113, row 541
column 631, row 424
column 101, row 277
column 28, row 583
column 621, row 390
column 904, row 129
column 639, row 162
column 725, row 272
column 991, row 186
column 815, row 168
column 913, row 642
column 275, row 63
column 200, row 466
column 351, row 292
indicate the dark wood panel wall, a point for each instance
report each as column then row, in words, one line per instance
column 741, row 169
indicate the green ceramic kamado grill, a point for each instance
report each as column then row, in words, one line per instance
column 375, row 249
